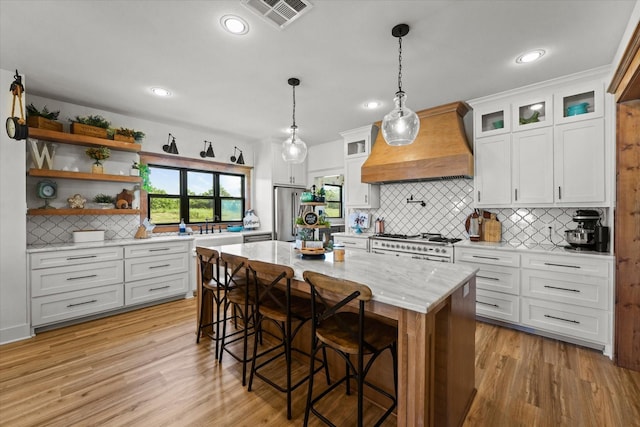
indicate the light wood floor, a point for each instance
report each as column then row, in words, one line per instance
column 144, row 368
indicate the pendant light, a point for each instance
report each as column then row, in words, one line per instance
column 401, row 125
column 294, row 150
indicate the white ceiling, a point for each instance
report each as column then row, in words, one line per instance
column 107, row 54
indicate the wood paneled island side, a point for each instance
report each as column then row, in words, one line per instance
column 434, row 306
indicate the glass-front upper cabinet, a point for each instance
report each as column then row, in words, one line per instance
column 492, row 119
column 532, row 113
column 580, row 102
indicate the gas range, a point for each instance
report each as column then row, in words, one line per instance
column 425, row 246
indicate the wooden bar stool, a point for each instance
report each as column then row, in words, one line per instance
column 241, row 299
column 348, row 333
column 277, row 304
column 211, row 289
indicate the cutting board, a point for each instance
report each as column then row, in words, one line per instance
column 492, row 229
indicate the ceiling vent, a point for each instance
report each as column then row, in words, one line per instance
column 278, row 12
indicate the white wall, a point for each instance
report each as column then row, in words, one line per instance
column 14, row 311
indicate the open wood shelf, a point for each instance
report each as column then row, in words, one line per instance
column 87, row 141
column 49, row 173
column 60, row 212
column 312, row 203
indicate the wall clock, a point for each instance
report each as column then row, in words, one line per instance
column 47, row 190
column 17, row 127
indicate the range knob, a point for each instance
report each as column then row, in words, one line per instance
column 403, row 247
column 444, row 250
column 437, row 250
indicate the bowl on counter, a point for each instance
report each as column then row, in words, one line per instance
column 234, row 228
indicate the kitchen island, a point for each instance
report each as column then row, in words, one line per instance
column 434, row 307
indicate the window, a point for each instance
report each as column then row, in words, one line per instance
column 195, row 195
column 333, row 200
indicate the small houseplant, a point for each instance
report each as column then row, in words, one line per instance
column 94, row 125
column 124, row 135
column 43, row 119
column 104, row 200
column 98, row 154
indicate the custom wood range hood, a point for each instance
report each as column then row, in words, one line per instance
column 440, row 151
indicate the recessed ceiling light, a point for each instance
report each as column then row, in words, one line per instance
column 234, row 24
column 371, row 105
column 530, row 56
column 158, row 91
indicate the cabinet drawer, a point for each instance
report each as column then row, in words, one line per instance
column 353, row 243
column 587, row 266
column 70, row 305
column 74, row 257
column 586, row 291
column 496, row 278
column 153, row 289
column 155, row 266
column 49, row 281
column 160, row 248
column 565, row 319
column 481, row 256
column 497, row 305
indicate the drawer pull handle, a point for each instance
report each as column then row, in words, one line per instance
column 159, row 266
column 486, row 257
column 159, row 289
column 349, row 243
column 82, row 277
column 486, row 303
column 82, row 303
column 488, row 278
column 158, row 249
column 562, row 289
column 561, row 265
column 71, row 258
column 560, row 318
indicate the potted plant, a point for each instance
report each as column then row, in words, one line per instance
column 138, row 136
column 43, row 119
column 144, row 174
column 321, row 194
column 124, row 135
column 94, row 125
column 98, row 154
column 105, row 201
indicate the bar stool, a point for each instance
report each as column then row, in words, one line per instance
column 348, row 333
column 241, row 299
column 211, row 289
column 277, row 304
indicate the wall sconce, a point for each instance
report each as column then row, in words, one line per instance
column 237, row 160
column 207, row 152
column 170, row 147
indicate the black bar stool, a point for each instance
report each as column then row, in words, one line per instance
column 211, row 289
column 277, row 304
column 348, row 333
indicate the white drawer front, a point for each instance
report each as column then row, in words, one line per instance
column 587, row 266
column 70, row 305
column 155, row 266
column 153, row 289
column 498, row 279
column 74, row 257
column 353, row 243
column 586, row 291
column 160, row 248
column 497, row 305
column 481, row 256
column 565, row 319
column 75, row 277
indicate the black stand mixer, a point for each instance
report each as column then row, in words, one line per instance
column 590, row 235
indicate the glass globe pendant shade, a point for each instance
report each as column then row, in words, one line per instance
column 401, row 125
column 294, row 150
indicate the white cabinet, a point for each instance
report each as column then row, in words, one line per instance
column 493, row 171
column 357, row 146
column 549, row 155
column 68, row 284
column 579, row 162
column 287, row 173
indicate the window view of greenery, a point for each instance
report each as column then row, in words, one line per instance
column 333, row 200
column 194, row 195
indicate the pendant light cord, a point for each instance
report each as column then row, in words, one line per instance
column 400, row 64
column 294, row 108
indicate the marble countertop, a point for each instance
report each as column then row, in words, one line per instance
column 105, row 243
column 552, row 249
column 355, row 235
column 401, row 282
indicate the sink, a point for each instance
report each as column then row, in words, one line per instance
column 217, row 239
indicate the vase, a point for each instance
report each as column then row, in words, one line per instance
column 97, row 168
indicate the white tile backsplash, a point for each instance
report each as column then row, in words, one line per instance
column 449, row 202
column 59, row 229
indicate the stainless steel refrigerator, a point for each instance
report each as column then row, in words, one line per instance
column 286, row 203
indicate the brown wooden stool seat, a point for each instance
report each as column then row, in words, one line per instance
column 212, row 293
column 277, row 304
column 348, row 333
